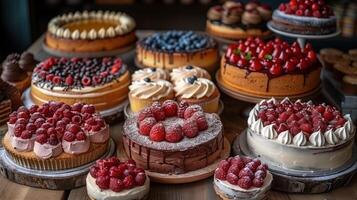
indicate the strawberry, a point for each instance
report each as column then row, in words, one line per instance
column 146, row 125
column 220, row 174
column 232, row 178
column 173, row 133
column 246, row 172
column 257, row 182
column 201, row 121
column 116, row 184
column 129, row 182
column 157, row 132
column 245, row 182
column 158, row 111
column 224, row 165
column 234, row 169
column 170, row 108
column 260, row 174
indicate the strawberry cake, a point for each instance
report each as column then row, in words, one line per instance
column 173, row 139
column 114, row 179
column 313, row 17
column 102, row 82
column 258, row 68
column 300, row 135
column 242, row 178
column 56, row 136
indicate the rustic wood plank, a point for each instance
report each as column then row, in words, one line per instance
column 10, row 191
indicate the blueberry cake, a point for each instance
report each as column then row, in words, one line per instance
column 90, row 31
column 313, row 17
column 235, row 20
column 174, row 49
column 102, row 82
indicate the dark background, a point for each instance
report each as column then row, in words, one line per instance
column 23, row 21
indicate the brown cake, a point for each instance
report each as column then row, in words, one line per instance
column 172, row 138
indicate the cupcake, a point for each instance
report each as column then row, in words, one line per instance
column 13, row 74
column 200, row 91
column 153, row 74
column 187, row 71
column 144, row 92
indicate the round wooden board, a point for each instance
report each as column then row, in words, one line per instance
column 297, row 181
column 54, row 180
column 111, row 115
column 115, row 52
column 257, row 99
column 188, row 177
column 128, row 112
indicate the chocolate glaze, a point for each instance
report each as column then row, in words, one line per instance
column 11, row 69
column 27, row 62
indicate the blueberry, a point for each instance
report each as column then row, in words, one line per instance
column 148, row 80
column 192, row 79
column 153, row 69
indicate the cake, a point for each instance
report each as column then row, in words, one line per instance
column 153, row 74
column 15, row 70
column 242, row 178
column 92, row 31
column 144, row 92
column 257, row 68
column 172, row 49
column 300, row 135
column 183, row 72
column 313, row 17
column 234, row 20
column 102, row 82
column 56, row 136
column 111, row 178
column 172, row 138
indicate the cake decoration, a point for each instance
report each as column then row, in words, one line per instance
column 180, row 73
column 151, row 73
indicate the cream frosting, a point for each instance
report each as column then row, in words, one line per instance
column 331, row 137
column 299, row 139
column 317, row 139
column 200, row 88
column 285, row 137
column 75, row 35
column 67, row 33
column 10, row 129
column 99, row 136
column 252, row 116
column 132, row 194
column 83, row 35
column 46, row 151
column 92, row 34
column 269, row 132
column 342, row 133
column 76, row 147
column 180, row 73
column 101, row 33
column 154, row 90
column 23, row 144
column 153, row 74
column 257, row 126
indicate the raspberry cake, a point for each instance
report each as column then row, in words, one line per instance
column 235, row 20
column 273, row 68
column 174, row 49
column 172, row 138
column 114, row 179
column 300, row 135
column 313, row 17
column 242, row 178
column 102, row 82
column 56, row 136
column 90, row 31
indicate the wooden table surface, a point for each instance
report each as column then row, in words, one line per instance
column 233, row 122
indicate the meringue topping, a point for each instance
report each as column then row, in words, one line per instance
column 317, row 139
column 299, row 139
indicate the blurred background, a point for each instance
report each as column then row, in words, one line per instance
column 23, row 21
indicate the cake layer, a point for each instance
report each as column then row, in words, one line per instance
column 260, row 84
column 174, row 158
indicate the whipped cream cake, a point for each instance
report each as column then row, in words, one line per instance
column 114, row 179
column 241, row 177
column 90, row 31
column 56, row 136
column 172, row 138
column 300, row 135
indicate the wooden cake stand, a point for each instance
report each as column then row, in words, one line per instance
column 299, row 181
column 110, row 115
column 188, row 177
column 54, row 180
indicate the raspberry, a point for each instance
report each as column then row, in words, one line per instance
column 263, row 167
column 77, row 119
column 74, row 128
column 258, row 182
column 69, row 80
column 181, row 109
column 146, row 125
column 220, row 174
column 88, row 109
column 146, row 112
column 38, row 122
column 86, row 81
column 170, row 108
column 26, row 134
column 157, row 132
column 103, row 172
column 115, row 172
column 140, row 179
column 237, row 161
column 33, row 108
column 53, row 140
column 158, row 111
column 201, row 121
column 232, row 179
column 128, row 182
column 234, row 169
column 246, row 160
column 81, row 136
column 116, row 184
column 223, row 164
column 190, row 128
column 173, row 133
column 93, row 171
column 191, row 110
column 24, row 115
column 245, row 182
column 42, row 139
column 69, row 136
column 130, row 162
column 21, row 121
column 20, row 127
column 102, row 182
column 252, row 165
column 260, row 174
column 56, row 80
column 246, row 172
column 68, row 113
column 77, row 107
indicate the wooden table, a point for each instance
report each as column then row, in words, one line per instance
column 233, row 122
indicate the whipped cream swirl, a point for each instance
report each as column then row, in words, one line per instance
column 153, row 74
column 193, row 87
column 180, row 73
column 154, row 90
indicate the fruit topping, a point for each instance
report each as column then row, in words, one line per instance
column 308, row 8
